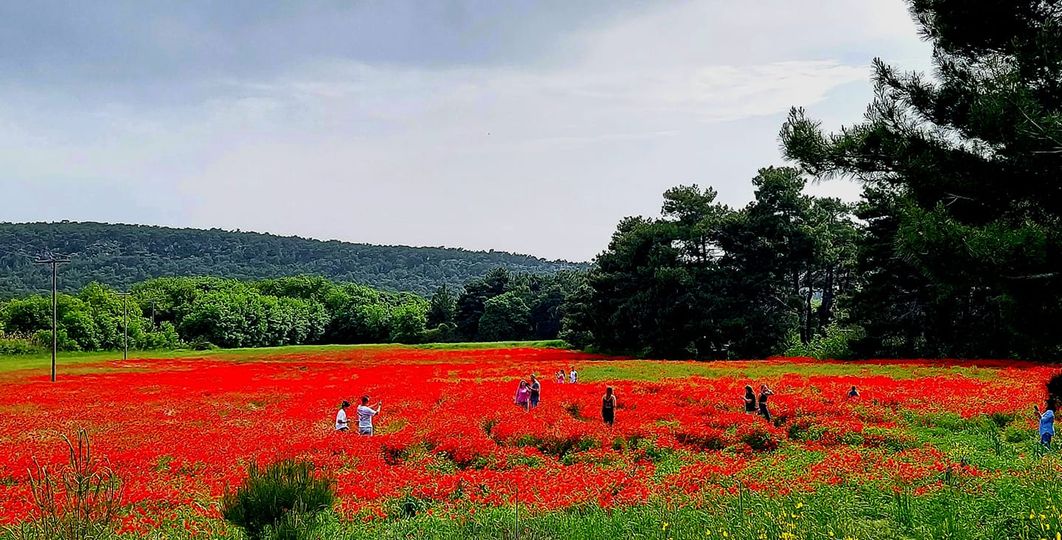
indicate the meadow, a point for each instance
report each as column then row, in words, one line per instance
column 930, row 449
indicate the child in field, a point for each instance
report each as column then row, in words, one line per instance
column 560, row 376
column 523, row 395
column 750, row 400
column 1047, row 422
column 608, row 406
column 341, row 417
column 573, row 376
column 853, row 393
column 765, row 392
column 365, row 414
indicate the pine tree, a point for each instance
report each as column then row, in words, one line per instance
column 963, row 243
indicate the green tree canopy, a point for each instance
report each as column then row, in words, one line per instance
column 962, row 244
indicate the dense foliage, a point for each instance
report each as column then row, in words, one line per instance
column 962, row 243
column 954, row 250
column 211, row 311
column 121, row 255
column 706, row 280
column 506, row 306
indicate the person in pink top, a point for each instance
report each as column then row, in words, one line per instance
column 523, row 395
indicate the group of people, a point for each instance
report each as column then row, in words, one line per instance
column 528, row 394
column 365, row 415
column 573, row 376
column 758, row 404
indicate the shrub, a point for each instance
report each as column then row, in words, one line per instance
column 281, row 499
column 17, row 345
column 1016, row 433
column 396, row 447
column 77, row 501
column 406, row 506
column 202, row 345
column 835, row 344
column 1054, row 386
column 759, row 435
column 703, row 437
column 43, row 339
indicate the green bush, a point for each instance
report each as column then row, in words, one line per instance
column 1016, row 433
column 17, row 345
column 834, row 345
column 202, row 345
column 280, row 501
column 43, row 339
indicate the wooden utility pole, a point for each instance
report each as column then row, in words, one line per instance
column 125, row 326
column 55, row 261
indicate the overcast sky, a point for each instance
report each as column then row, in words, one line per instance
column 527, row 126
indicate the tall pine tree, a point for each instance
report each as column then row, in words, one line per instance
column 963, row 209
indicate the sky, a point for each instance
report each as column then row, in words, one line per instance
column 525, row 126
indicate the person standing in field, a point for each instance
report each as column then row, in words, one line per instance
column 765, row 392
column 750, row 400
column 853, row 393
column 535, row 391
column 573, row 376
column 523, row 394
column 341, row 417
column 560, row 376
column 1047, row 422
column 365, row 414
column 608, row 406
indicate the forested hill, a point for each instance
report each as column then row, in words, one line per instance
column 120, row 255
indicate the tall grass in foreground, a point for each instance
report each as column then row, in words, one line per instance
column 1000, row 509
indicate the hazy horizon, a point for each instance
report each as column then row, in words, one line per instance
column 302, row 237
column 527, row 127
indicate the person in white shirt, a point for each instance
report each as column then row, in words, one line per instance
column 365, row 414
column 573, row 376
column 341, row 417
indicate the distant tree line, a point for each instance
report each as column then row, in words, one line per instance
column 122, row 255
column 205, row 312
column 708, row 281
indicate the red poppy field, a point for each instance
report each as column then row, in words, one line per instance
column 452, row 450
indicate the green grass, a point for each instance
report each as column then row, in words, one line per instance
column 652, row 371
column 998, row 509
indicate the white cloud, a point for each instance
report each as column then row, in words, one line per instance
column 533, row 158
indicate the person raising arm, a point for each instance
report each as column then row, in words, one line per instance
column 365, row 415
column 1047, row 422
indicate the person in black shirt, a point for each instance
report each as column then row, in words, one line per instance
column 608, row 406
column 750, row 400
column 536, row 391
